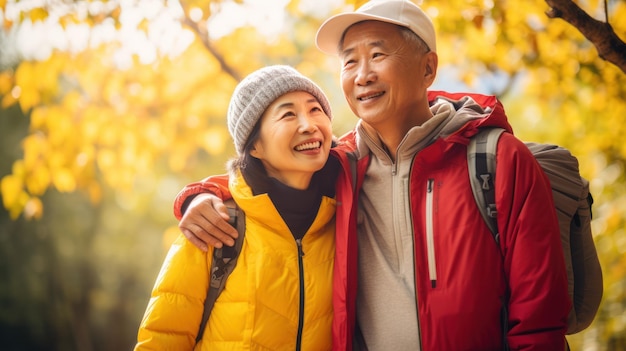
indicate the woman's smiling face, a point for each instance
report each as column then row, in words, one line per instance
column 294, row 139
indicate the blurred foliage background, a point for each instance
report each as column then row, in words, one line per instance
column 108, row 108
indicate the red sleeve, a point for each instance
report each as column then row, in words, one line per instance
column 539, row 302
column 217, row 185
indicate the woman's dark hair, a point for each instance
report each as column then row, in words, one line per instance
column 252, row 168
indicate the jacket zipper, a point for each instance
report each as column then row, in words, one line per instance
column 432, row 271
column 417, row 311
column 301, row 309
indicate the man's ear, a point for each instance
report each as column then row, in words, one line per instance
column 431, row 60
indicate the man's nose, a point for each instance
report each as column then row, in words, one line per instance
column 364, row 74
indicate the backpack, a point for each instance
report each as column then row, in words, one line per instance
column 223, row 263
column 572, row 202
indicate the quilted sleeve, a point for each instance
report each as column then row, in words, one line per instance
column 173, row 315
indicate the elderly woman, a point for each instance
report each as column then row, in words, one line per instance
column 279, row 295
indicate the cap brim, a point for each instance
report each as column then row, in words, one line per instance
column 330, row 32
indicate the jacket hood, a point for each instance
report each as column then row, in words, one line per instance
column 468, row 112
column 460, row 117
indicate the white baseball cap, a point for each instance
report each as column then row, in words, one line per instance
column 401, row 12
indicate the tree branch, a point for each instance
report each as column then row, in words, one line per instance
column 610, row 47
column 204, row 37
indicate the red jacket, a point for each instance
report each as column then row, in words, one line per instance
column 460, row 309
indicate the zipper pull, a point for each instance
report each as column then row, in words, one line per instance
column 299, row 244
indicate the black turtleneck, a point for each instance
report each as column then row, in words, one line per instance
column 298, row 208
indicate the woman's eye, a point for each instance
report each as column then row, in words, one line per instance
column 288, row 114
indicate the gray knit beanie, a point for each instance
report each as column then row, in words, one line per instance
column 257, row 91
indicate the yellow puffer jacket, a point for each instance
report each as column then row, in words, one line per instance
column 261, row 304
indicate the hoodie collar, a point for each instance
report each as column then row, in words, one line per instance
column 451, row 116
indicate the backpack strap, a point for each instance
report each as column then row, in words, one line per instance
column 223, row 263
column 481, row 164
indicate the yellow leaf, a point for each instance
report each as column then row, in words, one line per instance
column 7, row 101
column 18, row 206
column 38, row 118
column 357, row 3
column 38, row 181
column 6, row 82
column 64, row 180
column 64, row 21
column 27, row 78
column 35, row 151
column 72, row 100
column 11, row 187
column 61, row 131
column 115, row 13
column 143, row 25
column 7, row 24
column 19, row 169
column 14, row 197
column 38, row 14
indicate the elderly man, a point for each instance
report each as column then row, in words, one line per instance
column 429, row 274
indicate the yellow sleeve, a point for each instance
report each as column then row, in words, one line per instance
column 173, row 315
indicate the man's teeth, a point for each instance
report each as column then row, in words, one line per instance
column 370, row 96
column 308, row 146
